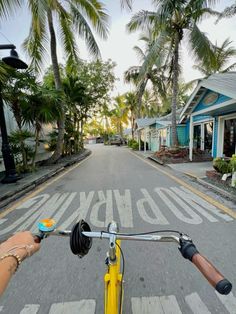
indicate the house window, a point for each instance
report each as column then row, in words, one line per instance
column 229, row 147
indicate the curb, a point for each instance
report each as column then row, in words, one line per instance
column 14, row 195
column 202, row 182
column 217, row 189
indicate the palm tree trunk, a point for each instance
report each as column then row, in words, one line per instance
column 175, row 90
column 139, row 97
column 61, row 122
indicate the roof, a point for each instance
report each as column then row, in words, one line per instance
column 222, row 83
column 164, row 120
column 141, row 123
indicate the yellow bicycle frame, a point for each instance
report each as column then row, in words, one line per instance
column 113, row 280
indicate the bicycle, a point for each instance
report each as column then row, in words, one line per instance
column 81, row 242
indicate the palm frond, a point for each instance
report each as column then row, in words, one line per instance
column 36, row 43
column 227, row 13
column 95, row 12
column 142, row 20
column 85, row 31
column 7, row 7
column 230, row 68
column 139, row 52
column 154, row 56
column 126, row 4
column 201, row 46
column 66, row 32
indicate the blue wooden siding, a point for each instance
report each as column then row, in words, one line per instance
column 215, row 134
column 201, row 117
column 201, row 105
column 182, row 132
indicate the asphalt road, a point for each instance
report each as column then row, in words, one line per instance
column 114, row 184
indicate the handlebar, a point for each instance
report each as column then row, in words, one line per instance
column 81, row 242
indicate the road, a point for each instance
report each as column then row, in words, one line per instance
column 115, row 184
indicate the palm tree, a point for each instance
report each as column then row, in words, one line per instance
column 218, row 60
column 175, row 20
column 72, row 17
column 228, row 12
column 119, row 115
column 131, row 104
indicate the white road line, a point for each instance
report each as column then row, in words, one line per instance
column 124, row 206
column 170, row 305
column 209, row 207
column 147, row 202
column 229, row 302
column 146, row 305
column 194, row 218
column 2, row 220
column 77, row 307
column 64, row 207
column 105, row 199
column 196, row 305
column 1, row 308
column 30, row 309
column 81, row 212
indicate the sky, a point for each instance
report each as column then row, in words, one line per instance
column 119, row 45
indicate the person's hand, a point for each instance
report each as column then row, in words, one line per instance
column 21, row 243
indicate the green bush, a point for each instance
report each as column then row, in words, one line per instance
column 233, row 162
column 222, row 166
column 135, row 146
column 131, row 142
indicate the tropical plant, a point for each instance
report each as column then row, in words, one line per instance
column 228, row 12
column 22, row 151
column 174, row 20
column 74, row 17
column 119, row 115
column 217, row 62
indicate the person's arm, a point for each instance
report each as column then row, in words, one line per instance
column 12, row 253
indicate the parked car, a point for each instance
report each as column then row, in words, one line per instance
column 116, row 140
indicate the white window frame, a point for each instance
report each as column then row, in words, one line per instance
column 221, row 131
column 202, row 123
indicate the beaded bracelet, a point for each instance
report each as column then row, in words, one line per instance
column 17, row 258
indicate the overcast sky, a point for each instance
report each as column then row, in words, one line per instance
column 119, row 46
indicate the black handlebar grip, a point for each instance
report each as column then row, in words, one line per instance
column 223, row 286
column 38, row 237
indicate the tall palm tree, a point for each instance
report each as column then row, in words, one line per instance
column 175, row 19
column 155, row 72
column 218, row 60
column 73, row 17
column 228, row 12
column 119, row 115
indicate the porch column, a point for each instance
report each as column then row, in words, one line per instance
column 139, row 140
column 145, row 139
column 191, row 139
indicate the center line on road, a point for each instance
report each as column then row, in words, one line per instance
column 201, row 194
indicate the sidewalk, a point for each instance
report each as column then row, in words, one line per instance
column 195, row 170
column 12, row 191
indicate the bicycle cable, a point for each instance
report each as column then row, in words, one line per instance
column 123, row 271
column 142, row 233
column 79, row 244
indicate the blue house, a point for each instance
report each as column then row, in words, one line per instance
column 210, row 116
column 156, row 132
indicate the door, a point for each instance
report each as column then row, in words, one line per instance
column 208, row 135
column 197, row 136
column 229, row 147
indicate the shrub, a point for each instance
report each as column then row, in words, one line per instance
column 135, row 145
column 222, row 166
column 131, row 142
column 233, row 162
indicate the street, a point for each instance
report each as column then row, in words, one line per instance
column 113, row 183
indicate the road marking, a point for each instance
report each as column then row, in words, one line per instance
column 1, row 308
column 3, row 220
column 209, row 199
column 81, row 307
column 194, row 218
column 81, row 212
column 170, row 305
column 103, row 200
column 146, row 305
column 124, row 206
column 196, row 305
column 229, row 302
column 148, row 200
column 30, row 309
column 42, row 187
